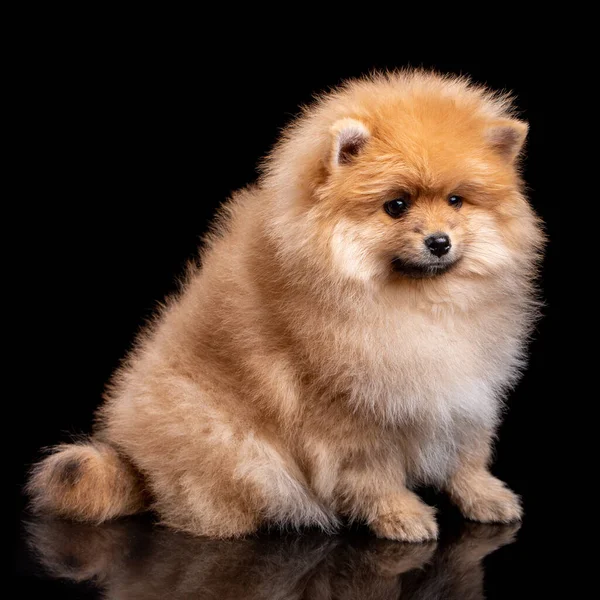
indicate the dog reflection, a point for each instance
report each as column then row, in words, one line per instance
column 131, row 559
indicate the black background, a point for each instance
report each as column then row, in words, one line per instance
column 128, row 143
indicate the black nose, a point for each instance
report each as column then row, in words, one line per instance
column 438, row 243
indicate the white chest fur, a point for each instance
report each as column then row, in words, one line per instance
column 444, row 375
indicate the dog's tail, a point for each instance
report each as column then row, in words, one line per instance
column 86, row 481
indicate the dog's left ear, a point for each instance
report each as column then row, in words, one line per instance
column 507, row 137
column 349, row 138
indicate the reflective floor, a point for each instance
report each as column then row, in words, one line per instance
column 137, row 559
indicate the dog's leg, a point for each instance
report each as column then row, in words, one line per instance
column 479, row 495
column 376, row 494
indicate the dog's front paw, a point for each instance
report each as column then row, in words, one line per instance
column 412, row 523
column 489, row 501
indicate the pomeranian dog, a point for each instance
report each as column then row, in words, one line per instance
column 357, row 319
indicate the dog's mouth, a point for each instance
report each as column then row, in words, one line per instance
column 420, row 271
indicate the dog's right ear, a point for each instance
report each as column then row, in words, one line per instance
column 349, row 138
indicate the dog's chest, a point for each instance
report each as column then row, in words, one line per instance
column 433, row 382
column 439, row 372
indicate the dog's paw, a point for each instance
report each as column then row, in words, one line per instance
column 414, row 524
column 491, row 502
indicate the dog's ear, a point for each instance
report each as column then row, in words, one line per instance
column 507, row 137
column 349, row 138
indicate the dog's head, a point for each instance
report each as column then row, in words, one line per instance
column 417, row 177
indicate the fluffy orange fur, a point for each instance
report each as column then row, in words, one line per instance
column 321, row 362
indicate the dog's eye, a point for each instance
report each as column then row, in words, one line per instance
column 396, row 208
column 455, row 201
